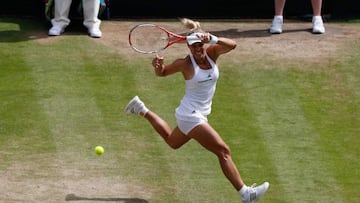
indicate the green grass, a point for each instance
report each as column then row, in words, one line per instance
column 296, row 127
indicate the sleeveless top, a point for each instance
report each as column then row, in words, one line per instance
column 199, row 92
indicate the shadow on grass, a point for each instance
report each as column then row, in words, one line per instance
column 235, row 33
column 32, row 29
column 27, row 29
column 73, row 197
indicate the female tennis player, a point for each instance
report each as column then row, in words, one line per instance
column 200, row 73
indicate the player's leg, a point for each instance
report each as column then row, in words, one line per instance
column 212, row 141
column 174, row 138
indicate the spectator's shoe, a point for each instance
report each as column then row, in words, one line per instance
column 95, row 32
column 318, row 25
column 276, row 26
column 136, row 106
column 56, row 31
column 254, row 193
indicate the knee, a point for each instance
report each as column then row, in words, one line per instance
column 173, row 145
column 224, row 152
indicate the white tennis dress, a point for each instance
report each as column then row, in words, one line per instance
column 199, row 92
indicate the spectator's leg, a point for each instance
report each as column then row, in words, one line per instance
column 279, row 7
column 276, row 26
column 61, row 17
column 91, row 20
column 317, row 22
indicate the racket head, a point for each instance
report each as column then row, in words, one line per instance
column 148, row 38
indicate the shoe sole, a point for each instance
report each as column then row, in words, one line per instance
column 130, row 105
column 275, row 31
column 95, row 36
column 318, row 32
column 56, row 34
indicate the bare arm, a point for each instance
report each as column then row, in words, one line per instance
column 217, row 45
column 164, row 70
column 222, row 46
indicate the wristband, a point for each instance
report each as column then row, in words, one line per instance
column 213, row 39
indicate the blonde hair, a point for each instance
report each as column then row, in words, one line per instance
column 193, row 26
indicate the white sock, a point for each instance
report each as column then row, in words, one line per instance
column 278, row 17
column 244, row 193
column 143, row 110
column 243, row 190
column 317, row 18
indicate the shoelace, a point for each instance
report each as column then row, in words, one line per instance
column 278, row 22
column 252, row 192
column 317, row 23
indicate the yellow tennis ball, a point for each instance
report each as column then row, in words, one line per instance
column 99, row 150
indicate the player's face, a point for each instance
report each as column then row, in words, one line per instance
column 197, row 49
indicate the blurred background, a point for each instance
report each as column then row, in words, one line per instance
column 225, row 9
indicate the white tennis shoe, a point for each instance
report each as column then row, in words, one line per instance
column 95, row 32
column 276, row 26
column 56, row 31
column 136, row 106
column 318, row 25
column 254, row 193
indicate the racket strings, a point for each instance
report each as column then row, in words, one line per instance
column 148, row 39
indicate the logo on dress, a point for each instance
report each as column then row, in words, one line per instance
column 209, row 78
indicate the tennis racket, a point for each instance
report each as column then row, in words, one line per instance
column 150, row 38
